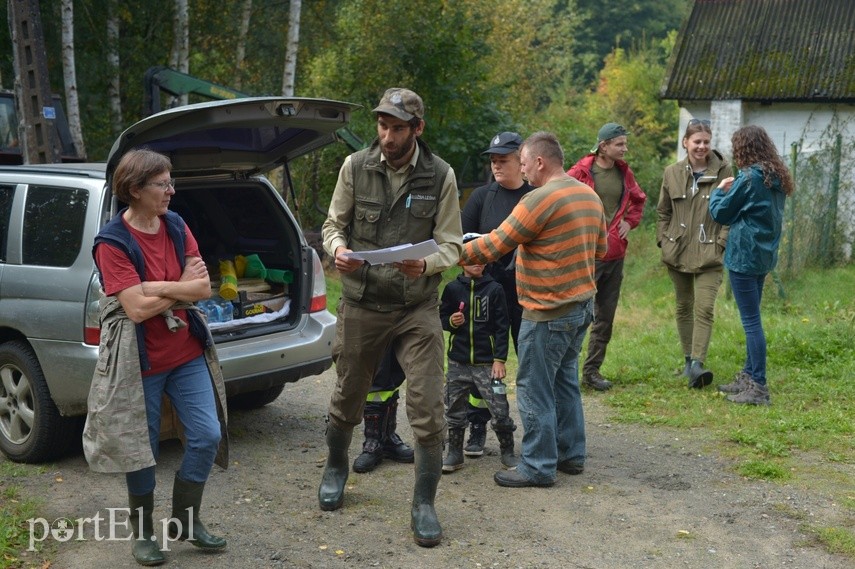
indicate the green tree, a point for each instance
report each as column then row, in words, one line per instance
column 603, row 26
column 627, row 93
column 437, row 49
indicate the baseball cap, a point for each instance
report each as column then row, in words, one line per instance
column 609, row 131
column 401, row 103
column 504, row 143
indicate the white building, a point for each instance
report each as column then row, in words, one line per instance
column 789, row 66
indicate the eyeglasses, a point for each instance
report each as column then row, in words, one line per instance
column 163, row 185
column 693, row 122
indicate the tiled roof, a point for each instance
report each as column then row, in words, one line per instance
column 765, row 50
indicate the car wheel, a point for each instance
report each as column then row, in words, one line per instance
column 256, row 399
column 31, row 428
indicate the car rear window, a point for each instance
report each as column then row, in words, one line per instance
column 53, row 225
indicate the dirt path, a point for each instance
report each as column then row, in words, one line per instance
column 649, row 497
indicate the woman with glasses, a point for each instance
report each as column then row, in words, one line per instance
column 154, row 342
column 693, row 244
column 752, row 205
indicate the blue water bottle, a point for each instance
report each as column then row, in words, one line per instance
column 226, row 310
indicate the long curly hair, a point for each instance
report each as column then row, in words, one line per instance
column 752, row 145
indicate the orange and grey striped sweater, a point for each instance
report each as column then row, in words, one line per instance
column 560, row 230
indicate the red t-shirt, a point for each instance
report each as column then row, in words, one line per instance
column 166, row 350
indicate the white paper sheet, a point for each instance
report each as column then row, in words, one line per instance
column 397, row 253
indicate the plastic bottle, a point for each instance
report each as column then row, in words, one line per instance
column 227, row 310
column 228, row 280
column 499, row 390
column 211, row 310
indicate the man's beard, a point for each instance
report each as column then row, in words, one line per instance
column 397, row 154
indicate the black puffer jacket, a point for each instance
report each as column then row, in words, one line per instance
column 483, row 337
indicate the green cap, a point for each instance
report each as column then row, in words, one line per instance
column 609, row 131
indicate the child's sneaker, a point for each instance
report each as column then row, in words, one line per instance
column 756, row 394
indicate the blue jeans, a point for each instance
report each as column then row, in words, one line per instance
column 189, row 388
column 548, row 395
column 748, row 292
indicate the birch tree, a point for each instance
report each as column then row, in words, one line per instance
column 113, row 85
column 180, row 56
column 69, row 77
column 243, row 33
column 291, row 49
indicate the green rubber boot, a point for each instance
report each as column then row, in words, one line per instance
column 145, row 549
column 186, row 503
column 331, row 491
column 426, row 529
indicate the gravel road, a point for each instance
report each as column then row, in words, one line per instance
column 649, row 497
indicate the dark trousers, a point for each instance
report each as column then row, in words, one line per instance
column 507, row 278
column 387, row 380
column 609, row 276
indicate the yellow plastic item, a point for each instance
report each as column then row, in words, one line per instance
column 240, row 266
column 228, row 280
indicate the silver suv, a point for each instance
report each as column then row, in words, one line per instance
column 49, row 215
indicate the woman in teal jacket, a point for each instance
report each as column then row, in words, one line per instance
column 752, row 205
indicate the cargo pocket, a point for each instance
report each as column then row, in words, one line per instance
column 671, row 246
column 422, row 212
column 365, row 220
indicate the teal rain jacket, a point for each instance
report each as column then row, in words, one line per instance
column 755, row 215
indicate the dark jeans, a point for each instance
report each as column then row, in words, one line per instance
column 609, row 276
column 748, row 292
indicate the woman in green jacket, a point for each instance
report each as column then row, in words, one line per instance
column 693, row 244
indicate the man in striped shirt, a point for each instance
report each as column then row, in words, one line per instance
column 559, row 230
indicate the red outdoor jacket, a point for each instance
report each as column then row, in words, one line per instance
column 631, row 203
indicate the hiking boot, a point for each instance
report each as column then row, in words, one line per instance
column 506, row 448
column 396, row 449
column 698, row 376
column 477, row 438
column 597, row 382
column 372, row 447
column 570, row 467
column 756, row 394
column 393, row 447
column 454, row 459
column 740, row 383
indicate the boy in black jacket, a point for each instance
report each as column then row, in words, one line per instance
column 474, row 311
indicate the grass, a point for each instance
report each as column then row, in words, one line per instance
column 15, row 510
column 805, row 436
column 810, row 362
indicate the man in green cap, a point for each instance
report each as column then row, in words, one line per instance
column 394, row 192
column 605, row 170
